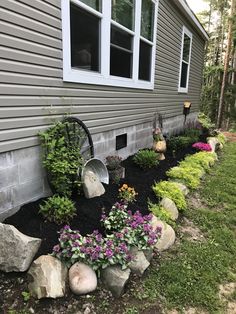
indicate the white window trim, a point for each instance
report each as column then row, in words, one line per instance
column 104, row 77
column 190, row 35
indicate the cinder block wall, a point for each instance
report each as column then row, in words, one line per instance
column 23, row 180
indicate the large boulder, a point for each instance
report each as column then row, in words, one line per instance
column 91, row 185
column 139, row 262
column 115, row 279
column 16, row 249
column 170, row 207
column 47, row 277
column 167, row 238
column 183, row 188
column 82, row 279
column 214, row 143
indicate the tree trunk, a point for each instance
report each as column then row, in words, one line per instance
column 226, row 66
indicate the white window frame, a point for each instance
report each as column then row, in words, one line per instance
column 190, row 35
column 104, row 77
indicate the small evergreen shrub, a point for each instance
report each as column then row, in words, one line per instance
column 187, row 175
column 192, row 134
column 58, row 209
column 146, row 158
column 191, row 163
column 161, row 213
column 204, row 159
column 172, row 191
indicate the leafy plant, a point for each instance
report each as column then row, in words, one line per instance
column 127, row 194
column 205, row 121
column 58, row 209
column 116, row 220
column 161, row 213
column 204, row 159
column 61, row 159
column 202, row 146
column 146, row 159
column 176, row 143
column 221, row 138
column 188, row 175
column 170, row 190
column 192, row 134
column 157, row 135
column 113, row 162
column 25, row 296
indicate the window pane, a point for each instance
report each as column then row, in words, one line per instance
column 123, row 12
column 85, row 36
column 95, row 4
column 120, row 63
column 184, row 74
column 145, row 54
column 147, row 19
column 121, row 38
column 186, row 48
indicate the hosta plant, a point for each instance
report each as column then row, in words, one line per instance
column 58, row 209
column 170, row 190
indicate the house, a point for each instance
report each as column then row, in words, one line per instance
column 113, row 64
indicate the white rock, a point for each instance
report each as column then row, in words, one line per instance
column 170, row 207
column 115, row 279
column 91, row 185
column 47, row 276
column 16, row 249
column 214, row 143
column 183, row 188
column 167, row 238
column 139, row 262
column 82, row 279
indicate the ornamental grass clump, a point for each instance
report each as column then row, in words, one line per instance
column 58, row 209
column 146, row 158
column 127, row 194
column 170, row 190
column 95, row 250
column 202, row 146
column 187, row 175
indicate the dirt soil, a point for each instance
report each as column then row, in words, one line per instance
column 28, row 221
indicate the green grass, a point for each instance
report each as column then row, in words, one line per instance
column 190, row 274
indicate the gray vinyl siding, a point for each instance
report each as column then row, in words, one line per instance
column 32, row 91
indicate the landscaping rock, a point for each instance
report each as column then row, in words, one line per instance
column 214, row 143
column 183, row 188
column 114, row 279
column 47, row 277
column 16, row 249
column 170, row 207
column 154, row 222
column 167, row 238
column 91, row 185
column 82, row 279
column 148, row 254
column 139, row 262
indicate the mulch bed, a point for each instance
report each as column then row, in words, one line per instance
column 28, row 221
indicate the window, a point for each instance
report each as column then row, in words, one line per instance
column 109, row 42
column 185, row 60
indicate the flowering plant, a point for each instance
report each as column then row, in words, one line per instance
column 94, row 249
column 113, row 162
column 133, row 229
column 202, row 146
column 127, row 194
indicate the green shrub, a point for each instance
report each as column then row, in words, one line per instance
column 187, row 175
column 176, row 143
column 161, row 213
column 191, row 163
column 204, row 159
column 146, row 158
column 221, row 138
column 172, row 191
column 193, row 134
column 58, row 209
column 61, row 160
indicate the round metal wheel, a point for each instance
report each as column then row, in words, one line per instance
column 77, row 134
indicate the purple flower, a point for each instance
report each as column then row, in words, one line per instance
column 56, row 248
column 109, row 243
column 108, row 253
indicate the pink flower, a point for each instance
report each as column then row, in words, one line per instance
column 202, row 146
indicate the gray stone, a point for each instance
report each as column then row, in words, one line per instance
column 183, row 188
column 16, row 249
column 82, row 279
column 148, row 254
column 91, row 185
column 170, row 207
column 214, row 143
column 114, row 279
column 167, row 238
column 139, row 262
column 47, row 277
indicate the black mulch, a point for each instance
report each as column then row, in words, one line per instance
column 28, row 221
